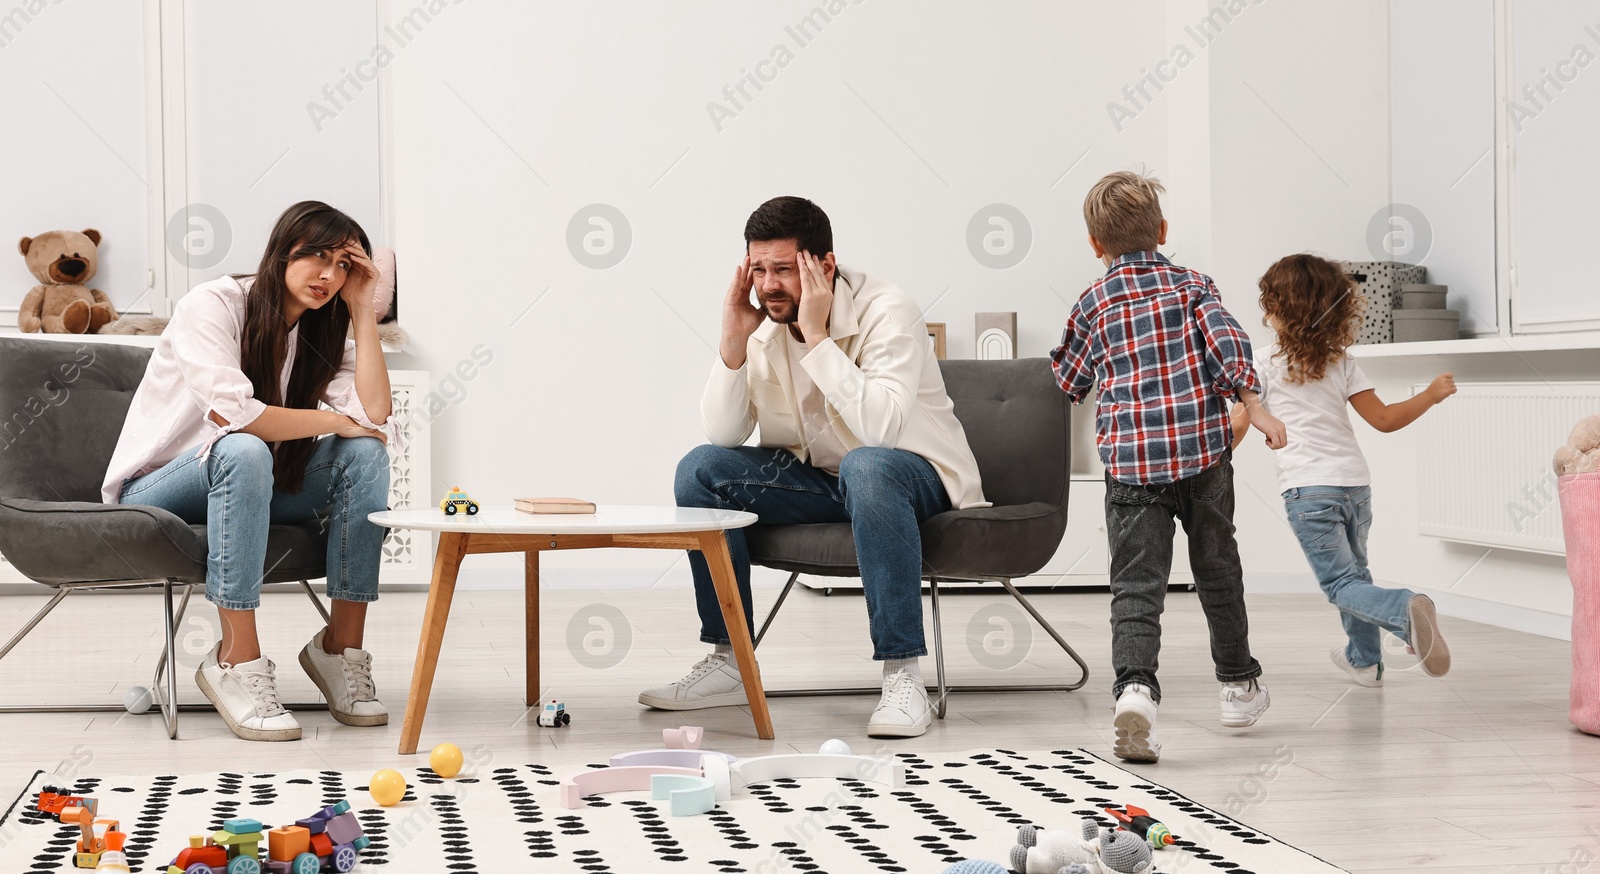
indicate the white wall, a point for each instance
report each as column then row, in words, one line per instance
column 901, row 119
column 1299, row 142
column 1301, row 148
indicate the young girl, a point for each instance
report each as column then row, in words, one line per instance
column 224, row 430
column 1307, row 379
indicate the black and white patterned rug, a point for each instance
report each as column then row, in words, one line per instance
column 952, row 806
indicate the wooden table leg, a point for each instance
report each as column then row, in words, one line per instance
column 530, row 584
column 714, row 546
column 452, row 548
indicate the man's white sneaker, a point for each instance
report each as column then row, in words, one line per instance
column 345, row 681
column 1135, row 725
column 246, row 697
column 1243, row 703
column 714, row 682
column 904, row 709
column 1370, row 676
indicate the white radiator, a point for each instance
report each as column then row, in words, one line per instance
column 1483, row 462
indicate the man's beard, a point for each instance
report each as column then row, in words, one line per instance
column 790, row 316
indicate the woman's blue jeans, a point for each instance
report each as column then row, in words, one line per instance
column 1332, row 523
column 231, row 492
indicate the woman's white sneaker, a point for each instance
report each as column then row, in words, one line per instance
column 246, row 697
column 345, row 681
column 904, row 709
column 714, row 682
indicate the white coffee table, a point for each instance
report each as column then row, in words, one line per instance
column 504, row 529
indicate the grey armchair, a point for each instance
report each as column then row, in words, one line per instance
column 1017, row 421
column 63, row 404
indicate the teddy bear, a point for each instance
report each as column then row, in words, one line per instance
column 63, row 303
column 1582, row 452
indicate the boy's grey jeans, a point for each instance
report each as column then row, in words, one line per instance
column 1139, row 526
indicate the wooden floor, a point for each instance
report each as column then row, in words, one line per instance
column 1476, row 772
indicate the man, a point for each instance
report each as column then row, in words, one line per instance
column 836, row 369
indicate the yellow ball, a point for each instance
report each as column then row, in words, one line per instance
column 387, row 787
column 445, row 760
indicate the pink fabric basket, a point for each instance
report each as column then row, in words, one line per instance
column 1580, row 521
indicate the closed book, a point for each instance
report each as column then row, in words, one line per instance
column 554, row 505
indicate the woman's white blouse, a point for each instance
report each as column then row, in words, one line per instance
column 195, row 371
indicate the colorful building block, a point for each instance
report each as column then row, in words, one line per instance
column 286, row 842
column 242, row 826
column 315, row 825
column 322, row 845
column 343, row 828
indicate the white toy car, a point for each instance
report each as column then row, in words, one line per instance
column 554, row 714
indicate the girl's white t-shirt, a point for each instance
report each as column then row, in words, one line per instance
column 1322, row 448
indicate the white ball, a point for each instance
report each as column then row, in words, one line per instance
column 834, row 747
column 137, row 699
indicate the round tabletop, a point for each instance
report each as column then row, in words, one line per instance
column 607, row 519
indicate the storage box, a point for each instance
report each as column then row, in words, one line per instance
column 1423, row 296
column 1417, row 326
column 1379, row 282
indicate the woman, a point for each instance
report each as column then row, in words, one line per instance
column 225, row 429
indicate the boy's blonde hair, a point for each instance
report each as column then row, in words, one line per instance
column 1123, row 212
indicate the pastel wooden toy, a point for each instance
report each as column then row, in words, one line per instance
column 685, row 737
column 716, row 768
column 688, row 795
column 668, row 758
column 602, row 780
column 764, row 769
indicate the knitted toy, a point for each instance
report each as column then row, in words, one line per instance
column 1047, row 852
column 1582, row 452
column 1125, row 853
column 977, row 866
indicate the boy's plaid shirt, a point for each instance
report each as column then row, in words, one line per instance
column 1167, row 356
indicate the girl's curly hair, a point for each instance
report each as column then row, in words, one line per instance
column 1315, row 308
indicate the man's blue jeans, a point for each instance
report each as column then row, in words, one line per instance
column 885, row 494
column 231, row 491
column 1332, row 524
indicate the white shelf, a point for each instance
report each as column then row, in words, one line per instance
column 1481, row 345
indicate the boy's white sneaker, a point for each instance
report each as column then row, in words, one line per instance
column 714, row 682
column 345, row 681
column 1370, row 676
column 1135, row 724
column 904, row 709
column 246, row 697
column 1243, row 703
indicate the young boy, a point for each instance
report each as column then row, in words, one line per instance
column 1167, row 357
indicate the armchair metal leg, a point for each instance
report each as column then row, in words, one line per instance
column 938, row 655
column 317, row 601
column 772, row 614
column 43, row 612
column 1049, row 629
column 938, row 648
column 169, row 659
